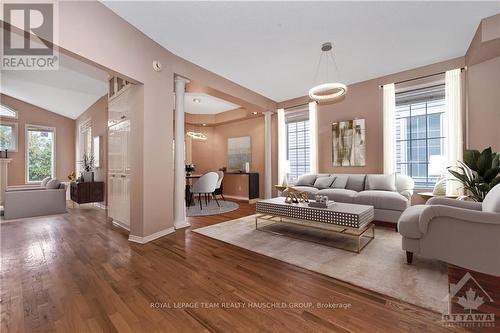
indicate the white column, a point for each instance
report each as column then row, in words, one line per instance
column 179, row 159
column 268, row 157
column 4, row 175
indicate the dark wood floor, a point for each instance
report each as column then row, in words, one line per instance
column 76, row 272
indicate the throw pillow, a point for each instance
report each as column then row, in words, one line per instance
column 340, row 181
column 45, row 181
column 381, row 182
column 306, row 180
column 324, row 182
column 53, row 184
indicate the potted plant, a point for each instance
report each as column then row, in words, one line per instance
column 478, row 173
column 88, row 164
column 189, row 169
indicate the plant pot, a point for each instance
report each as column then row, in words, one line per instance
column 88, row 176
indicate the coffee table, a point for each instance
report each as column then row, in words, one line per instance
column 349, row 220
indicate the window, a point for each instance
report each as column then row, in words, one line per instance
column 297, row 133
column 8, row 136
column 40, row 153
column 420, row 119
column 7, row 112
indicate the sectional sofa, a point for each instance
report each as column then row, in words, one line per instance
column 388, row 194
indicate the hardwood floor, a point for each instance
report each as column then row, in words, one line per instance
column 76, row 272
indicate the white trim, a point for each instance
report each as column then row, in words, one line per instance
column 313, row 138
column 16, row 113
column 388, row 133
column 146, row 239
column 27, row 127
column 15, row 127
column 281, row 146
column 119, row 224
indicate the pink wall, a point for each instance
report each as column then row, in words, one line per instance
column 211, row 154
column 65, row 139
column 98, row 115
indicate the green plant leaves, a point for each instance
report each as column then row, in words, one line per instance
column 470, row 158
column 484, row 161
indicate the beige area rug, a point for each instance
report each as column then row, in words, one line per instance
column 381, row 265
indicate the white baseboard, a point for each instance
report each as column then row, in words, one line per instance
column 146, row 239
column 121, row 225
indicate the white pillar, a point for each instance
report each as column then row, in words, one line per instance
column 179, row 159
column 268, row 157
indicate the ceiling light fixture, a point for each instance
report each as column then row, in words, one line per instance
column 197, row 100
column 203, row 124
column 329, row 90
column 197, row 136
column 255, row 112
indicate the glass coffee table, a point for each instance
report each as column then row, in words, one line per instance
column 346, row 220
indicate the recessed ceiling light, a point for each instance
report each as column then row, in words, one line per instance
column 197, row 100
column 255, row 112
column 203, row 124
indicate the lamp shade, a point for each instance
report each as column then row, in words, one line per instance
column 437, row 165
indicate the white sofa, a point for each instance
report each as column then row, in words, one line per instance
column 355, row 188
column 21, row 202
column 462, row 233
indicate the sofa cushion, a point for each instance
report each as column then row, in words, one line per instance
column 311, row 191
column 53, row 184
column 382, row 200
column 339, row 194
column 324, row 182
column 381, row 182
column 45, row 181
column 340, row 181
column 306, row 180
column 356, row 182
column 492, row 201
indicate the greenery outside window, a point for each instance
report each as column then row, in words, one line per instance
column 8, row 136
column 40, row 152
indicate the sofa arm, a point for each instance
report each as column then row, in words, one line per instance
column 407, row 194
column 468, row 215
column 455, row 203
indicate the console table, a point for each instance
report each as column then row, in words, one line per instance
column 87, row 192
column 253, row 183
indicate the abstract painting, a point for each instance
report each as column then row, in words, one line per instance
column 239, row 152
column 349, row 143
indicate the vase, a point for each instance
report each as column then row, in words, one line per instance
column 88, row 176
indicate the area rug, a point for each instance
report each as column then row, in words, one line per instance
column 380, row 267
column 212, row 208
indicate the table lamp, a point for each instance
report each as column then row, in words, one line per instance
column 437, row 167
column 286, row 171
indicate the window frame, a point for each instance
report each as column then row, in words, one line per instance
column 306, row 133
column 15, row 131
column 16, row 114
column 27, row 128
column 428, row 183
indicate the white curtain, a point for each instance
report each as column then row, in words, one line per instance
column 453, row 126
column 281, row 146
column 389, row 105
column 313, row 138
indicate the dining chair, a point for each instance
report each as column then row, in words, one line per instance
column 206, row 185
column 218, row 188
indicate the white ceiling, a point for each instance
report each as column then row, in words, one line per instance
column 208, row 104
column 273, row 47
column 68, row 91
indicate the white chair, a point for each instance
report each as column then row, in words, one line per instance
column 205, row 185
column 218, row 188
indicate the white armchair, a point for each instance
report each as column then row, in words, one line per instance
column 205, row 185
column 462, row 233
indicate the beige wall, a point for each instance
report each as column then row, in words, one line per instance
column 364, row 101
column 65, row 139
column 211, row 154
column 98, row 115
column 130, row 53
